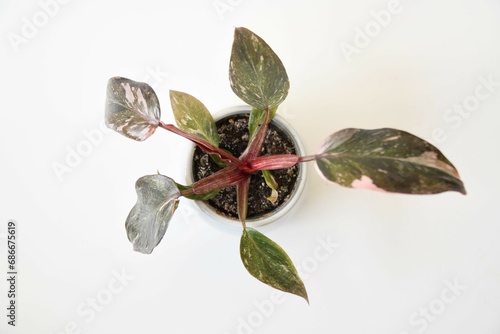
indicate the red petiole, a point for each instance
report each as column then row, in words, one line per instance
column 203, row 144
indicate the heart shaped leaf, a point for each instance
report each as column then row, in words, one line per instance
column 387, row 160
column 193, row 117
column 256, row 73
column 147, row 222
column 269, row 263
column 132, row 108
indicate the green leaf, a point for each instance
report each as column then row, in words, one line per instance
column 256, row 73
column 197, row 197
column 147, row 222
column 269, row 263
column 132, row 108
column 193, row 117
column 257, row 117
column 387, row 160
column 271, row 183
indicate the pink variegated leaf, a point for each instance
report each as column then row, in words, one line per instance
column 386, row 160
column 132, row 108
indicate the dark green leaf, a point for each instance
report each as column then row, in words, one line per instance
column 147, row 222
column 132, row 108
column 193, row 117
column 256, row 73
column 387, row 160
column 269, row 263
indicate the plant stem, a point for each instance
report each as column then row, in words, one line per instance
column 307, row 158
column 203, row 144
column 223, row 178
column 316, row 157
column 270, row 162
column 187, row 192
column 253, row 149
column 242, row 199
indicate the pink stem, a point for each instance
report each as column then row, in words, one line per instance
column 242, row 198
column 203, row 144
column 270, row 162
column 224, row 178
column 253, row 149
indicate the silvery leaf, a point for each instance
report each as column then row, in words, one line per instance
column 157, row 199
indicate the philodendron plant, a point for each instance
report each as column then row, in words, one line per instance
column 384, row 159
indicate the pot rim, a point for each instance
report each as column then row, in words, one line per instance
column 296, row 193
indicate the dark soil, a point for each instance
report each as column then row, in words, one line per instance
column 233, row 137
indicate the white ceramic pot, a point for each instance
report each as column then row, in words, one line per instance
column 286, row 206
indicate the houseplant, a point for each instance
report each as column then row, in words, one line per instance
column 265, row 203
column 381, row 159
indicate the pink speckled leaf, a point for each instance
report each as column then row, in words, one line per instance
column 132, row 108
column 386, row 160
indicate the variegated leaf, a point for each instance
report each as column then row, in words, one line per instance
column 387, row 160
column 269, row 263
column 147, row 222
column 193, row 117
column 256, row 73
column 132, row 108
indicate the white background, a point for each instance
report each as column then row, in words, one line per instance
column 395, row 253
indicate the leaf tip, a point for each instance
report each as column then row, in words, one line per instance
column 304, row 295
column 146, row 251
column 239, row 30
